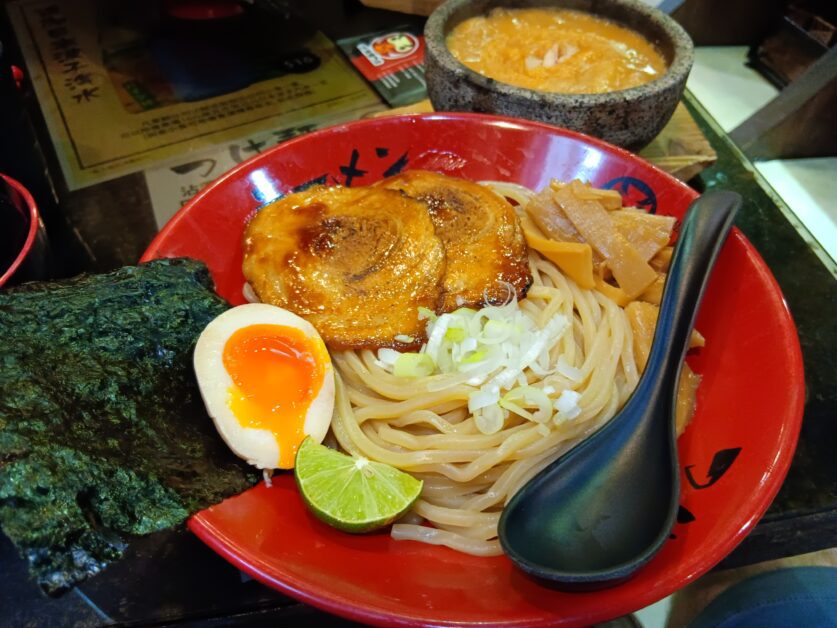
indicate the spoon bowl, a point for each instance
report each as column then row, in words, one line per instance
column 601, row 511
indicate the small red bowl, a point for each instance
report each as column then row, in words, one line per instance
column 733, row 457
column 29, row 263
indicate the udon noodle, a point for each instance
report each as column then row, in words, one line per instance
column 423, row 426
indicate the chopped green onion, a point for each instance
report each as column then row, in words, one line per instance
column 426, row 314
column 518, row 399
column 494, row 350
column 455, row 334
column 490, row 420
column 567, row 405
column 471, row 358
column 387, row 356
column 414, row 365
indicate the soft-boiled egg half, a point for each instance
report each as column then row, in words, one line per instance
column 267, row 381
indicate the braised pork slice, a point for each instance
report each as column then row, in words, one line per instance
column 357, row 263
column 485, row 249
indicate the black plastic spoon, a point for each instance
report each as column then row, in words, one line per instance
column 601, row 511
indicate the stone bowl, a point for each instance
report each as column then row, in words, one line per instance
column 629, row 118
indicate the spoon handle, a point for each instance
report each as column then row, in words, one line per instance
column 702, row 234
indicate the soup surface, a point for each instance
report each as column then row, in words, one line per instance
column 555, row 50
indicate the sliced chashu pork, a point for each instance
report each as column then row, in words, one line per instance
column 357, row 263
column 485, row 251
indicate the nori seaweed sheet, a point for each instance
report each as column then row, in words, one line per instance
column 103, row 433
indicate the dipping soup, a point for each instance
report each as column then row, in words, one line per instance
column 555, row 50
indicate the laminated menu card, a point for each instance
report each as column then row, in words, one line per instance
column 392, row 60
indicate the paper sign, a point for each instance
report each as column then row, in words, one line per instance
column 121, row 93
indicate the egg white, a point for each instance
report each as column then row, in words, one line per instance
column 258, row 447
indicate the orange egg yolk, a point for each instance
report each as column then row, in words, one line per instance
column 277, row 372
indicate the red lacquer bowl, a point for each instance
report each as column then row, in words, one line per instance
column 733, row 457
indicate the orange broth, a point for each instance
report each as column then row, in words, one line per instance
column 555, row 50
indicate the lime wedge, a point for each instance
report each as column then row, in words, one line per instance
column 352, row 494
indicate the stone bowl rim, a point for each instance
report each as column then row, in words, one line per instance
column 676, row 72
